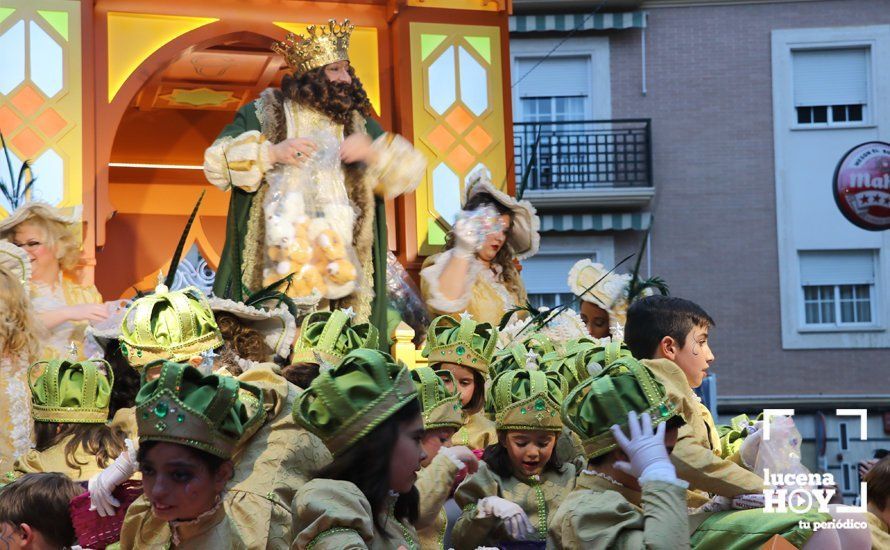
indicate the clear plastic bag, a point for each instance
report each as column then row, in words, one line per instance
column 309, row 222
column 781, row 452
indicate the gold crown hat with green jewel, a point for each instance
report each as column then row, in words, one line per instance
column 328, row 336
column 464, row 342
column 69, row 392
column 170, row 325
column 440, row 408
column 210, row 413
column 526, row 398
column 320, row 46
column 345, row 403
column 604, row 400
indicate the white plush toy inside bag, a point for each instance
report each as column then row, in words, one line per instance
column 309, row 223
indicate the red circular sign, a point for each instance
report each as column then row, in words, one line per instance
column 862, row 185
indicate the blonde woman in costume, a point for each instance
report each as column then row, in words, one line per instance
column 18, row 348
column 63, row 306
column 476, row 272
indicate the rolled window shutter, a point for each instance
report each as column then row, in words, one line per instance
column 837, row 267
column 831, row 77
column 556, row 76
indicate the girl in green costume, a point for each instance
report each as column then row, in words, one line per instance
column 367, row 413
column 69, row 404
column 521, row 481
column 464, row 348
column 189, row 428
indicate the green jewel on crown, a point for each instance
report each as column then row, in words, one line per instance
column 460, row 350
column 161, row 409
column 540, row 405
column 663, row 410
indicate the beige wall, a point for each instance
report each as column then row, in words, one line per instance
column 714, row 234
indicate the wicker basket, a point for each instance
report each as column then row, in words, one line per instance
column 94, row 531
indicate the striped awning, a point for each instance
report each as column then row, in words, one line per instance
column 579, row 21
column 637, row 221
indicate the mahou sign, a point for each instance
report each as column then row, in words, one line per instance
column 862, row 185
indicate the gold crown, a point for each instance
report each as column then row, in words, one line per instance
column 321, row 46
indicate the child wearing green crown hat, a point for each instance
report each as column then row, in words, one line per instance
column 521, row 481
column 189, row 428
column 69, row 405
column 441, row 413
column 465, row 348
column 630, row 496
column 270, row 465
column 366, row 411
column 325, row 339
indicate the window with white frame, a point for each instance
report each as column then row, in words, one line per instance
column 831, row 86
column 555, row 89
column 838, row 288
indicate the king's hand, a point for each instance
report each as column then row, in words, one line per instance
column 293, row 151
column 356, row 148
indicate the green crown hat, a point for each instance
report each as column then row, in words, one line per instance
column 441, row 408
column 563, row 361
column 464, row 342
column 515, row 355
column 69, row 392
column 593, row 407
column 210, row 413
column 580, row 359
column 594, row 359
column 170, row 325
column 328, row 336
column 345, row 403
column 526, row 400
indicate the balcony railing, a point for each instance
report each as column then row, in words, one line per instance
column 585, row 155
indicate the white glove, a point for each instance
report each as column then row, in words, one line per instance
column 462, row 457
column 648, row 455
column 751, row 444
column 472, row 227
column 466, row 242
column 106, row 481
column 515, row 520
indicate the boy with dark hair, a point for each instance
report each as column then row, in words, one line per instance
column 34, row 511
column 670, row 335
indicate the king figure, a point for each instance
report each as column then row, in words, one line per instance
column 321, row 96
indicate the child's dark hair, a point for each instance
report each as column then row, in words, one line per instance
column 212, row 462
column 99, row 440
column 301, row 374
column 41, row 501
column 652, row 318
column 673, row 422
column 366, row 464
column 497, row 458
column 126, row 379
column 478, row 400
column 878, row 480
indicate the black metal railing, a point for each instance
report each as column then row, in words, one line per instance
column 586, row 154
